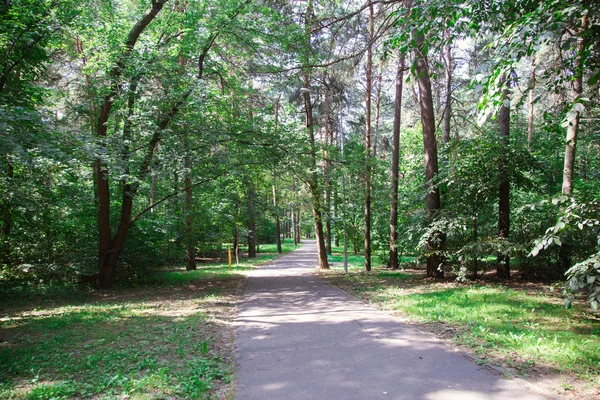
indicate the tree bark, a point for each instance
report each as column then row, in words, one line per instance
column 188, row 213
column 236, row 244
column 369, row 81
column 153, row 189
column 293, row 226
column 297, row 231
column 531, row 100
column 275, row 203
column 435, row 243
column 377, row 112
column 395, row 164
column 448, row 107
column 313, row 180
column 503, row 268
column 251, row 223
column 335, row 215
column 565, row 251
column 277, row 223
column 6, row 252
column 326, row 169
column 573, row 128
column 475, row 238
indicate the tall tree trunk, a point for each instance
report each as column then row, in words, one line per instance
column 335, row 216
column 251, row 223
column 435, row 243
column 275, row 203
column 127, row 187
column 277, row 223
column 6, row 252
column 190, row 240
column 297, row 230
column 503, row 268
column 236, row 243
column 475, row 238
column 313, row 180
column 531, row 100
column 153, row 189
column 109, row 251
column 293, row 226
column 448, row 107
column 377, row 112
column 369, row 79
column 326, row 169
column 565, row 251
column 395, row 164
column 573, row 128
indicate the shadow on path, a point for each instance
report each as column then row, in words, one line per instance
column 299, row 338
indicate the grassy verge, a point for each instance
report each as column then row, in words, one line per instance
column 524, row 327
column 171, row 337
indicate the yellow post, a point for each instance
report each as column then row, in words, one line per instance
column 229, row 254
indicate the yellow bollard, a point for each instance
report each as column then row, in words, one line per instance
column 229, row 254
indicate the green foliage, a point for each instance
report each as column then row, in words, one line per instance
column 576, row 231
column 584, row 276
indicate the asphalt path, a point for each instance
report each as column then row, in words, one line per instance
column 300, row 338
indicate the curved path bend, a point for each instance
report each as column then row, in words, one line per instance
column 300, row 338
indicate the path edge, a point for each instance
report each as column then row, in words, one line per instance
column 463, row 351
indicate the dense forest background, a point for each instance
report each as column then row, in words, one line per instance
column 458, row 134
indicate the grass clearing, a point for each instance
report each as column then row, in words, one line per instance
column 524, row 328
column 356, row 262
column 171, row 337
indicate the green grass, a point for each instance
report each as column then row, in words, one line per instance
column 356, row 262
column 287, row 245
column 178, row 275
column 535, row 327
column 519, row 328
column 167, row 338
column 164, row 341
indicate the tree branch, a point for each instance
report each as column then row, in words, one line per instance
column 145, row 210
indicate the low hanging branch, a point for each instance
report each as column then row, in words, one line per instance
column 150, row 207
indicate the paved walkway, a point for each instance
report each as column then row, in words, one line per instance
column 300, row 338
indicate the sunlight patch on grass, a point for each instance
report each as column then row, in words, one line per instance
column 143, row 343
column 537, row 327
column 520, row 328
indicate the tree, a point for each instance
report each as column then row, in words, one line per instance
column 448, row 107
column 395, row 164
column 575, row 114
column 313, row 180
column 503, row 270
column 368, row 146
column 435, row 243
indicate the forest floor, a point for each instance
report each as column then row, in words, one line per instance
column 521, row 327
column 172, row 338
